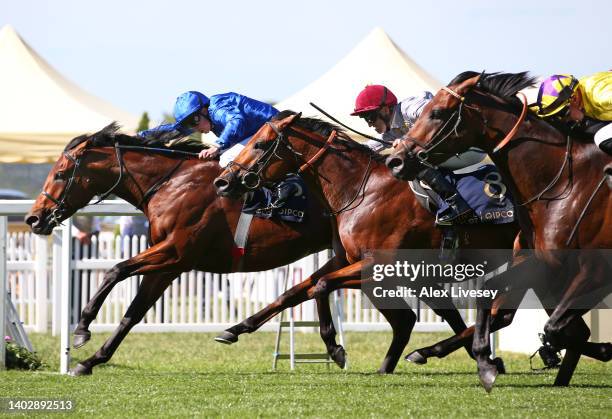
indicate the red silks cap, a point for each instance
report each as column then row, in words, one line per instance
column 373, row 97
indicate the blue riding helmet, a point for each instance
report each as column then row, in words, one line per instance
column 187, row 104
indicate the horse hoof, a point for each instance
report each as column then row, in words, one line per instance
column 339, row 356
column 227, row 338
column 487, row 378
column 416, row 358
column 499, row 364
column 81, row 339
column 79, row 370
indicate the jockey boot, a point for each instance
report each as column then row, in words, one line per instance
column 284, row 191
column 458, row 210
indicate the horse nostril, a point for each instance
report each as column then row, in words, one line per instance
column 395, row 163
column 221, row 184
column 32, row 220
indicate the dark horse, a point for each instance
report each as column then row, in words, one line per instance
column 191, row 227
column 553, row 175
column 371, row 209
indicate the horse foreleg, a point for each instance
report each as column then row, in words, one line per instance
column 152, row 256
column 402, row 322
column 151, row 288
column 292, row 297
column 564, row 328
column 501, row 318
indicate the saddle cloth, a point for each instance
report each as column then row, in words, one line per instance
column 259, row 201
column 483, row 190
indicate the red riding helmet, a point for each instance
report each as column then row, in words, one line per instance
column 373, row 97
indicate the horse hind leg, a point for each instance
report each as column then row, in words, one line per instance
column 328, row 332
column 293, row 296
column 151, row 288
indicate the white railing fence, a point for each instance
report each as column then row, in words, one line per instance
column 51, row 279
column 196, row 301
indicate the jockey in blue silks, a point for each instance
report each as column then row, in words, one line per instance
column 232, row 117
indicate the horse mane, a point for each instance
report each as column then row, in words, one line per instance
column 502, row 85
column 325, row 129
column 109, row 135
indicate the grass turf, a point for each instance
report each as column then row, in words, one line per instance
column 187, row 374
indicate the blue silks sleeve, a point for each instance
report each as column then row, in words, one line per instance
column 169, row 131
column 234, row 131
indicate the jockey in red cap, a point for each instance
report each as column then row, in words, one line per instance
column 381, row 110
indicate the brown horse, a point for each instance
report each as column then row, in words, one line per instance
column 553, row 174
column 371, row 209
column 190, row 226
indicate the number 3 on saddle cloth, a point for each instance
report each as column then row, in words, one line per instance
column 484, row 191
column 287, row 201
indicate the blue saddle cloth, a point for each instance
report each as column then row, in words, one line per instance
column 259, row 201
column 485, row 192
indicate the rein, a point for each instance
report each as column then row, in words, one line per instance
column 319, row 153
column 251, row 179
column 62, row 207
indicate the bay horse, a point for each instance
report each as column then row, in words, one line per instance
column 371, row 209
column 190, row 226
column 554, row 176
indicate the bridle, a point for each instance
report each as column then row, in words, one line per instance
column 423, row 154
column 251, row 179
column 61, row 208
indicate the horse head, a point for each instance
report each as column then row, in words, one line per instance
column 262, row 161
column 474, row 110
column 80, row 173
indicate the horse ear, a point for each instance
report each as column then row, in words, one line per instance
column 285, row 122
column 480, row 78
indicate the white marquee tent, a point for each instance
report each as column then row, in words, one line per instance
column 40, row 110
column 375, row 60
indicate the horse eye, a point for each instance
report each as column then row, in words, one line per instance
column 59, row 176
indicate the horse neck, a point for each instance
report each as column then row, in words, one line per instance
column 338, row 173
column 532, row 160
column 141, row 171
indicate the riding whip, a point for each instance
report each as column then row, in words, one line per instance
column 349, row 128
